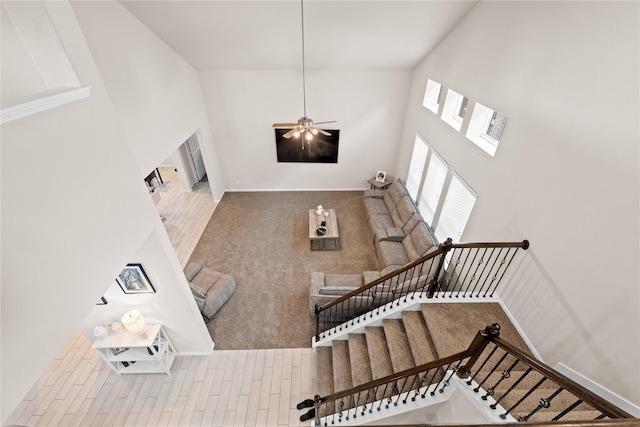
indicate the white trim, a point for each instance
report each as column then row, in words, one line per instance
column 596, row 388
column 268, row 190
column 42, row 101
column 196, row 353
column 492, row 415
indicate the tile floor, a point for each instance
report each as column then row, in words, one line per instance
column 228, row 388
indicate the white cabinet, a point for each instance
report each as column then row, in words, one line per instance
column 128, row 353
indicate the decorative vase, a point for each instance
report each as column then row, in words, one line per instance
column 117, row 327
column 100, row 332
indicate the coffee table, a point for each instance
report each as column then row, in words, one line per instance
column 322, row 243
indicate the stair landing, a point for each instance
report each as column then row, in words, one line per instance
column 452, row 326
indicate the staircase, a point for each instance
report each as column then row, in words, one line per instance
column 414, row 337
column 426, row 333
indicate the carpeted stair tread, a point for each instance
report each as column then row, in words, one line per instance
column 558, row 404
column 378, row 353
column 398, row 345
column 463, row 321
column 418, row 337
column 545, row 416
column 341, row 366
column 324, row 371
column 359, row 357
column 501, row 385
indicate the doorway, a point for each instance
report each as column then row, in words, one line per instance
column 195, row 158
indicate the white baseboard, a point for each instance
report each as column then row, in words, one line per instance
column 264, row 190
column 601, row 391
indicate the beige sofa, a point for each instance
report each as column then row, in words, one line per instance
column 400, row 237
column 324, row 288
column 396, row 227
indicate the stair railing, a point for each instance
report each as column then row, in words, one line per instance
column 481, row 363
column 495, row 371
column 452, row 270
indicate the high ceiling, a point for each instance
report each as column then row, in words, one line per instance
column 266, row 35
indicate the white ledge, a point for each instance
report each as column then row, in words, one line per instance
column 42, row 101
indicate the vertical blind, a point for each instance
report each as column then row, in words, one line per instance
column 416, row 167
column 432, row 188
column 456, row 209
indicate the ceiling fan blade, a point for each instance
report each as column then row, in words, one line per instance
column 324, row 132
column 322, row 123
column 284, row 125
column 290, row 133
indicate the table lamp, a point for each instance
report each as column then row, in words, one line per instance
column 133, row 321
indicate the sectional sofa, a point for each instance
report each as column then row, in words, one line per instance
column 400, row 236
column 397, row 229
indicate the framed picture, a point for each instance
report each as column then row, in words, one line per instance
column 101, row 301
column 134, row 280
column 381, row 176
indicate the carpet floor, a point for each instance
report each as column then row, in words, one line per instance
column 262, row 239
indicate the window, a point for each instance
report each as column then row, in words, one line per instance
column 454, row 110
column 432, row 96
column 485, row 128
column 456, row 209
column 416, row 167
column 432, row 187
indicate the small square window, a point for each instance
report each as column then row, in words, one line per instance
column 432, row 93
column 486, row 127
column 455, row 106
column 463, row 107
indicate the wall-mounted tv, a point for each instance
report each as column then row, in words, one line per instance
column 321, row 149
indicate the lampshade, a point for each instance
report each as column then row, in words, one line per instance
column 133, row 321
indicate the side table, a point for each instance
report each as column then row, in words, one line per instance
column 129, row 353
column 378, row 185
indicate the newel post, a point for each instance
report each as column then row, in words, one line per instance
column 317, row 310
column 477, row 346
column 444, row 248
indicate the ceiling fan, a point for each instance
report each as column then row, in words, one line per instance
column 305, row 128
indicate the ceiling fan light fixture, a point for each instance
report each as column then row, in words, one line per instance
column 305, row 124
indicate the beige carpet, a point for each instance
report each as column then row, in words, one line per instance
column 262, row 239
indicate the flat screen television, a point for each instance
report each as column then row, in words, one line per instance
column 321, row 149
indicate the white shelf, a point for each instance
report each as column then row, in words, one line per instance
column 147, row 353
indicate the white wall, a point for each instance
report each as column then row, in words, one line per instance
column 155, row 92
column 172, row 305
column 74, row 211
column 242, row 105
column 565, row 175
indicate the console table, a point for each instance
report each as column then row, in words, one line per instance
column 129, row 353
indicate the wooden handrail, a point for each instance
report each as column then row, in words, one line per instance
column 379, row 281
column 477, row 346
column 590, row 423
column 583, row 393
column 440, row 250
column 396, row 376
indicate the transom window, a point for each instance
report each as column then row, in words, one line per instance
column 431, row 99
